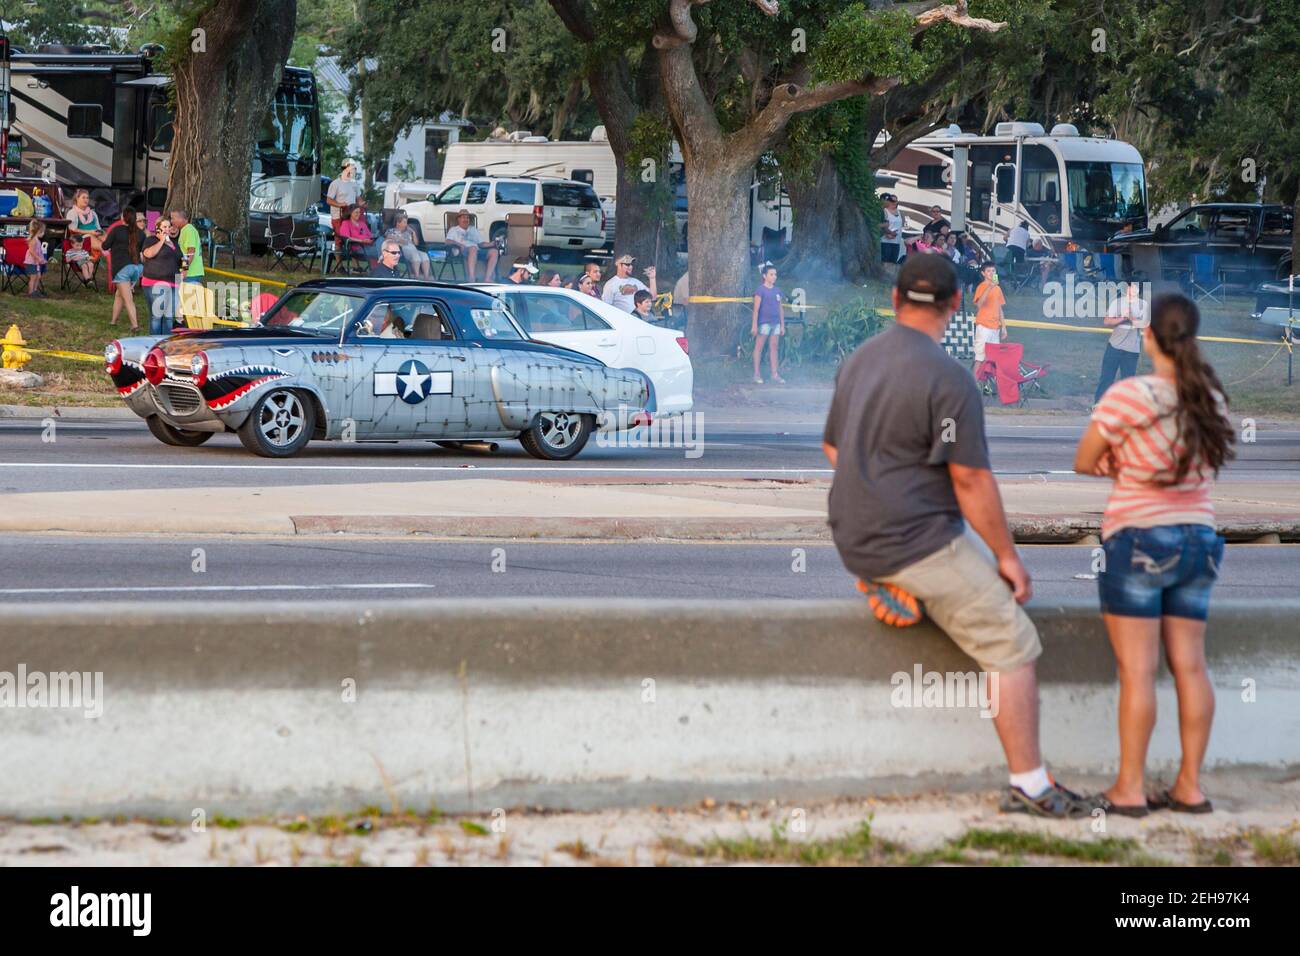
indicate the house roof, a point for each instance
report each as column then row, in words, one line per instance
column 338, row 79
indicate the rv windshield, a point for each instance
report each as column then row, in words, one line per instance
column 1109, row 192
column 289, row 130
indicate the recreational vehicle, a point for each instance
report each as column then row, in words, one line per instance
column 84, row 117
column 1068, row 187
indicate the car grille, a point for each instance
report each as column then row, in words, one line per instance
column 180, row 399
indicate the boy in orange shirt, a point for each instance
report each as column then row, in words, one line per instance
column 990, row 320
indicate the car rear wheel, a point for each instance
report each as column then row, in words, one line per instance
column 279, row 426
column 556, row 436
column 170, row 435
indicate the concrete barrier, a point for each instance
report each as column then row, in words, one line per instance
column 474, row 705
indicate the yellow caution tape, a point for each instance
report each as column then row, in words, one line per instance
column 1062, row 327
column 60, row 353
column 239, row 275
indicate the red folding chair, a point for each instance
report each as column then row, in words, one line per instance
column 1005, row 370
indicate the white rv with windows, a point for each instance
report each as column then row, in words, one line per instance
column 1068, row 187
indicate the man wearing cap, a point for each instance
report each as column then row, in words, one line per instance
column 622, row 287
column 469, row 241
column 343, row 192
column 891, row 229
column 905, row 435
column 522, row 272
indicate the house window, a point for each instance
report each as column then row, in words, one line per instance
column 85, row 120
column 379, row 174
column 435, row 151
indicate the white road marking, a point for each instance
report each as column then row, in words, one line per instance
column 551, row 469
column 215, row 587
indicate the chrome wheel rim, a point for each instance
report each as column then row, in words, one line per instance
column 559, row 429
column 281, row 419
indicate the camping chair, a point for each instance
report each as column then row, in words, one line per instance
column 1206, row 278
column 215, row 239
column 521, row 239
column 70, row 272
column 1005, row 372
column 285, row 249
column 13, row 275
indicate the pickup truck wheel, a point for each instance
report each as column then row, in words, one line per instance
column 556, row 436
column 170, row 435
column 279, row 426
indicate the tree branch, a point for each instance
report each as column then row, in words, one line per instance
column 680, row 27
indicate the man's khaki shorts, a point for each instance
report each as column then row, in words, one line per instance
column 964, row 594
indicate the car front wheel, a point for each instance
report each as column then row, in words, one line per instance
column 170, row 435
column 279, row 426
column 556, row 436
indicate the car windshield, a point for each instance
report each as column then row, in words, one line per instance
column 1114, row 192
column 313, row 311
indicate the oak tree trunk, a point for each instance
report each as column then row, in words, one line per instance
column 224, row 86
column 832, row 239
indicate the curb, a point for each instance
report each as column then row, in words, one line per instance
column 69, row 412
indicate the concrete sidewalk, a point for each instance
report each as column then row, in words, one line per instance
column 1040, row 510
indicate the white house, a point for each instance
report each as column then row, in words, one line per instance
column 420, row 150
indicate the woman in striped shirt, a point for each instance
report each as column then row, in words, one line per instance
column 1162, row 438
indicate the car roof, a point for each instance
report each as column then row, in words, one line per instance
column 366, row 284
column 600, row 306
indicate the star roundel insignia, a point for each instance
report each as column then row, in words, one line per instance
column 414, row 382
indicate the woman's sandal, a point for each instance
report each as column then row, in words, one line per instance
column 1102, row 802
column 1164, row 800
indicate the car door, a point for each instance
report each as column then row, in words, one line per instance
column 563, row 320
column 1232, row 242
column 1183, row 238
column 415, row 379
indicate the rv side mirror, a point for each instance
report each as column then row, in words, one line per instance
column 1006, row 184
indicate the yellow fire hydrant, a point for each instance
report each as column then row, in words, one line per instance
column 14, row 355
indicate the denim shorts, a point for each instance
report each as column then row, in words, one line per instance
column 1163, row 571
column 129, row 273
column 770, row 328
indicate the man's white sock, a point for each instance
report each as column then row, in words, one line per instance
column 1034, row 783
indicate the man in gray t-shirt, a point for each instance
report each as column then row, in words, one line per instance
column 905, row 436
column 343, row 192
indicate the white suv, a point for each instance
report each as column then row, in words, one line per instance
column 566, row 213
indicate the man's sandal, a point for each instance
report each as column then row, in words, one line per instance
column 1164, row 800
column 891, row 604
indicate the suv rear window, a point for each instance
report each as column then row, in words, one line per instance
column 516, row 194
column 574, row 195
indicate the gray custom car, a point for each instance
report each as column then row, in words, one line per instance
column 373, row 359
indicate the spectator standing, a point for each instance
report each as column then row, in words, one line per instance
column 1018, row 242
column 123, row 243
column 642, row 303
column 990, row 318
column 551, row 279
column 622, row 287
column 592, row 270
column 469, row 241
column 587, row 285
column 404, row 236
column 35, row 259
column 343, row 193
column 162, row 263
column 522, row 272
column 187, row 240
column 83, row 224
column 1161, row 438
column 891, row 229
column 1128, row 316
column 768, row 324
column 937, row 219
column 905, row 436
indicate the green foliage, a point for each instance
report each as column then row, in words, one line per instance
column 844, row 328
column 856, row 43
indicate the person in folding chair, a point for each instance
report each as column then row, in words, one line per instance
column 83, row 224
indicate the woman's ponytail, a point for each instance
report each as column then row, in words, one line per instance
column 1204, row 432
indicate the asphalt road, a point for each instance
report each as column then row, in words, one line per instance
column 122, row 454
column 54, row 568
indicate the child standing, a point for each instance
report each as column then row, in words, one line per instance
column 768, row 324
column 34, row 262
column 990, row 319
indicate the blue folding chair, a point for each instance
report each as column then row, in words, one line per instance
column 1109, row 265
column 1071, row 262
column 1206, row 278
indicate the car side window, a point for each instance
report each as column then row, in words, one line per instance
column 409, row 320
column 1191, row 224
column 515, row 194
column 451, row 194
column 1276, row 223
column 592, row 321
column 477, row 193
column 519, row 309
column 1233, row 225
column 429, row 323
